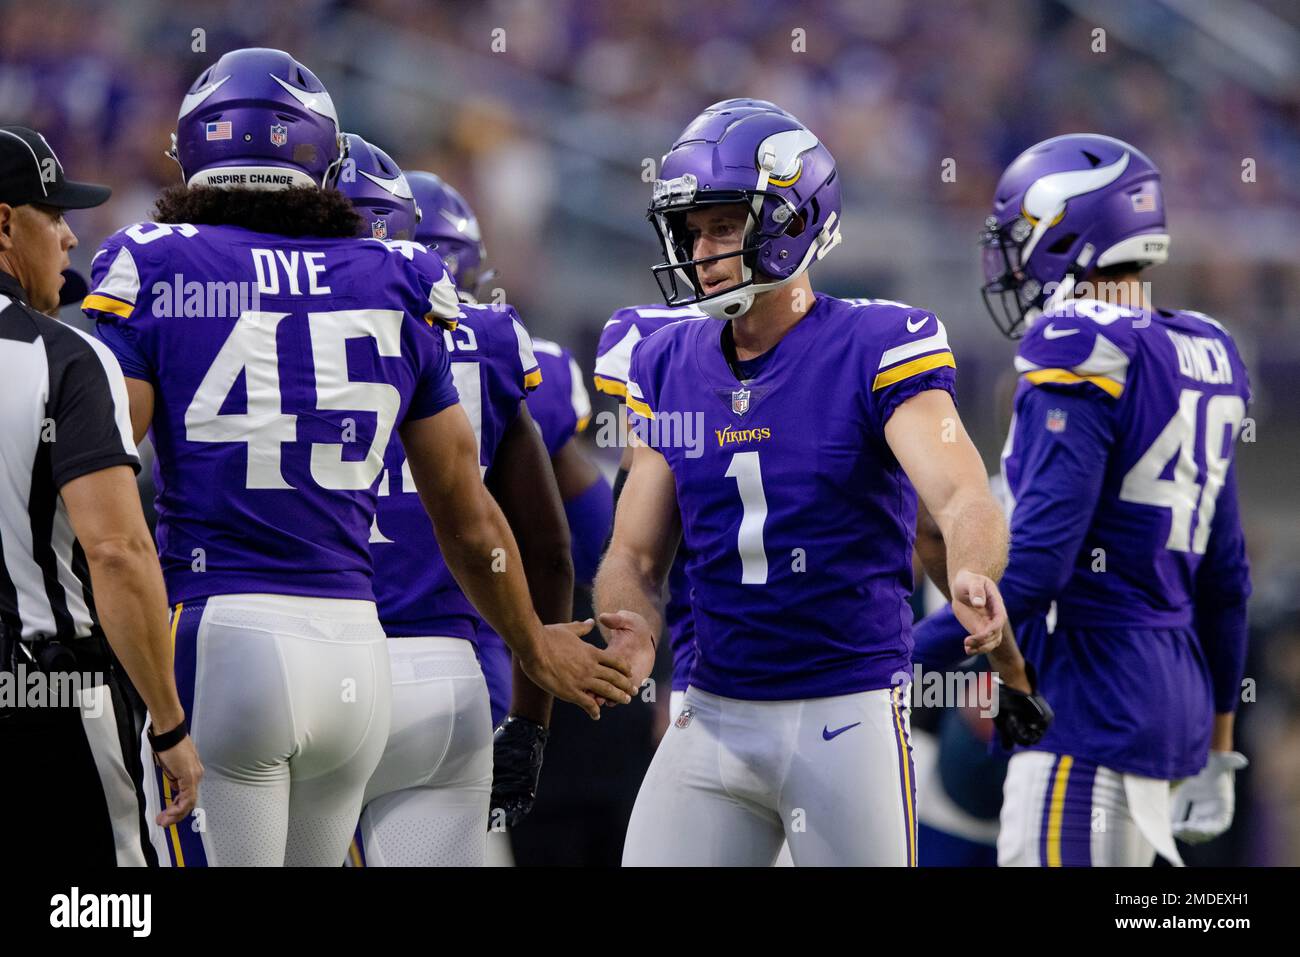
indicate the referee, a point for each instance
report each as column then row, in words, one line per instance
column 70, row 516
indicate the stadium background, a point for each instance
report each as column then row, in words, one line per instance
column 549, row 138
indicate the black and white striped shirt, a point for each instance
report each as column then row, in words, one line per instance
column 63, row 414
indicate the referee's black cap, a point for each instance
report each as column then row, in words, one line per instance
column 31, row 173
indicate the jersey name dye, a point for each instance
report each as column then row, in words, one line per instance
column 798, row 519
column 281, row 367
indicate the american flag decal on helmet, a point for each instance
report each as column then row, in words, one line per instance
column 1144, row 202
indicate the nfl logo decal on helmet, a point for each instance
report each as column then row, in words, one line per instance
column 378, row 190
column 754, row 153
column 1063, row 208
column 221, row 132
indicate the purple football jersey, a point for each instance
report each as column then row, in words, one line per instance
column 622, row 332
column 1130, row 416
column 281, row 368
column 1174, row 391
column 560, row 406
column 493, row 366
column 798, row 519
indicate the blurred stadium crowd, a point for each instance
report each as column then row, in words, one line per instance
column 547, row 114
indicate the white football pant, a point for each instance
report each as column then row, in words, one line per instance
column 733, row 779
column 427, row 803
column 1062, row 811
column 288, row 704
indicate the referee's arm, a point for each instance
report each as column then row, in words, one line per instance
column 103, row 505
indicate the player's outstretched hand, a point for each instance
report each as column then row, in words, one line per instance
column 629, row 635
column 977, row 603
column 184, row 770
column 517, row 749
column 569, row 668
column 1203, row 806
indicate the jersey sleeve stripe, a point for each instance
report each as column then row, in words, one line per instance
column 102, row 303
column 533, row 379
column 909, row 350
column 915, row 367
column 1066, row 377
column 639, row 407
column 610, row 386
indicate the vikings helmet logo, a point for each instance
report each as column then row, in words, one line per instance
column 279, row 134
column 379, row 229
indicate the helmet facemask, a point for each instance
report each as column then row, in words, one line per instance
column 678, row 276
column 1013, row 298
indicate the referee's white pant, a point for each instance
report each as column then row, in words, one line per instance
column 733, row 779
column 288, row 699
column 427, row 803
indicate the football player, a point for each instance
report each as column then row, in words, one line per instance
column 560, row 408
column 624, row 329
column 786, row 445
column 271, row 356
column 428, row 801
column 1119, row 461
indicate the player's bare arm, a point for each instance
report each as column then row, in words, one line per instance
column 929, row 441
column 140, row 399
column 1005, row 657
column 104, row 509
column 629, row 585
column 482, row 554
column 524, row 485
column 931, row 550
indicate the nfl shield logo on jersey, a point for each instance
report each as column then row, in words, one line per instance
column 684, row 719
column 740, row 401
column 379, row 229
column 279, row 134
column 1055, row 420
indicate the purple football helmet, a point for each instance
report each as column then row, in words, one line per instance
column 450, row 227
column 1063, row 208
column 378, row 190
column 751, row 152
column 257, row 118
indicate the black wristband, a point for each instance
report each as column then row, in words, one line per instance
column 169, row 739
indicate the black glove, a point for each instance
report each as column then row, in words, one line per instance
column 1022, row 718
column 517, row 750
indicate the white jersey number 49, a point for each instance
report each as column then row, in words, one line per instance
column 1182, row 494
